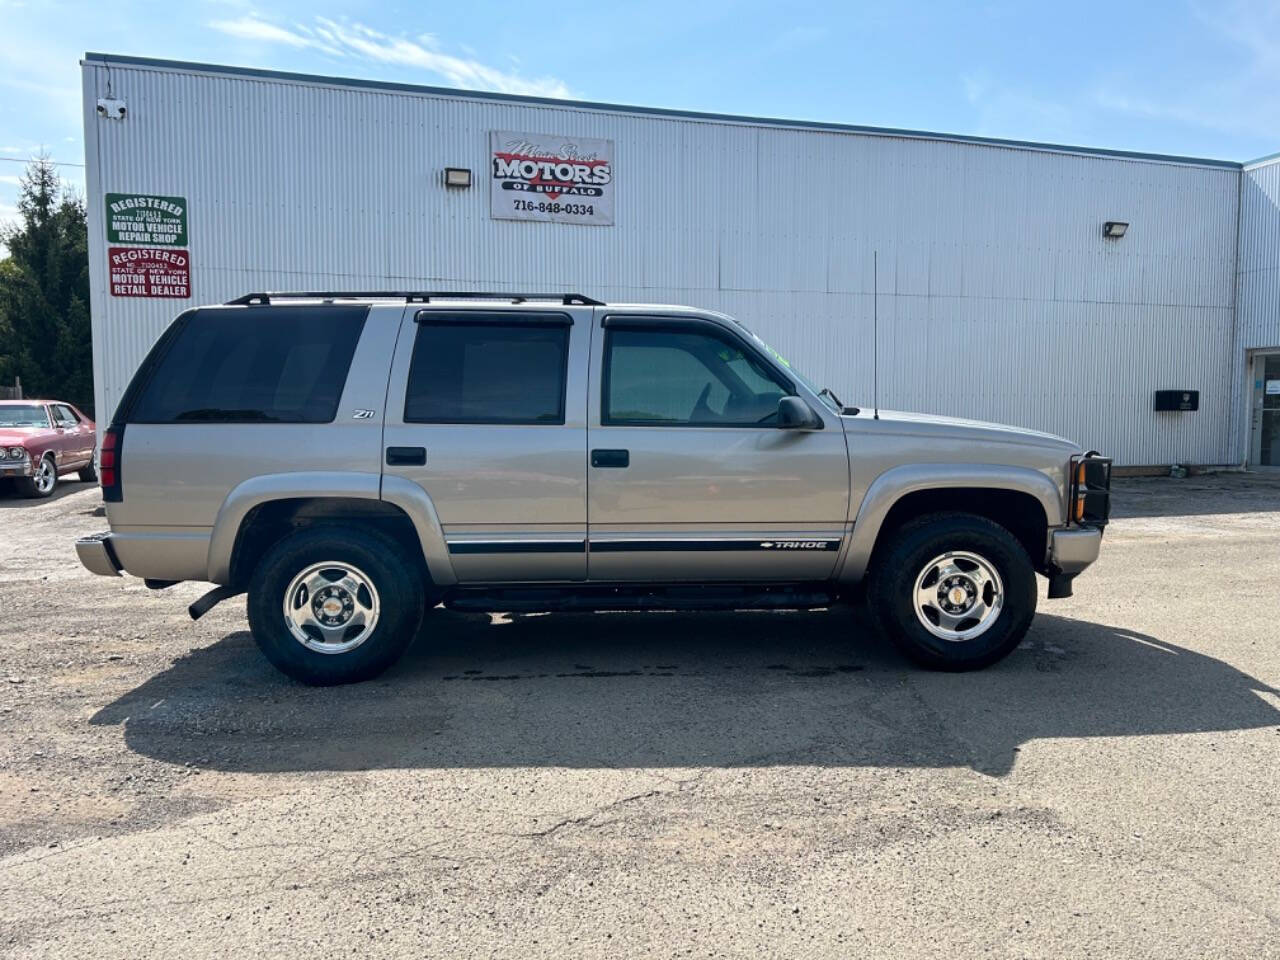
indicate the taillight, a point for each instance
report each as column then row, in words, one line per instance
column 109, row 464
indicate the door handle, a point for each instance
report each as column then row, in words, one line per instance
column 406, row 456
column 611, row 458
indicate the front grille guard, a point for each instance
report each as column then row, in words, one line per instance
column 1089, row 501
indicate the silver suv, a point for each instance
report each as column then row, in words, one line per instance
column 352, row 459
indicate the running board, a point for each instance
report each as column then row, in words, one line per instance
column 619, row 598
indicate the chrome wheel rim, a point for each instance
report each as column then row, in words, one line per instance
column 958, row 596
column 331, row 607
column 45, row 476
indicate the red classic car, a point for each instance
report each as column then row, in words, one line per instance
column 40, row 439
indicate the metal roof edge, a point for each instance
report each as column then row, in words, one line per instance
column 673, row 113
column 1261, row 161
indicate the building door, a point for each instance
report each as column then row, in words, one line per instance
column 1265, row 446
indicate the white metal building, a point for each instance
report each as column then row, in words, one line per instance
column 982, row 263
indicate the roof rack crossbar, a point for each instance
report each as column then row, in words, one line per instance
column 409, row 296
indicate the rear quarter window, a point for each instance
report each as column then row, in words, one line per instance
column 277, row 364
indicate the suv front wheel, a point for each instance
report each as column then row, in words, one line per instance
column 332, row 605
column 953, row 591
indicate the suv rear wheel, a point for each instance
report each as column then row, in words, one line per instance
column 332, row 605
column 953, row 591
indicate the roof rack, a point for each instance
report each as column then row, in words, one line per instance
column 408, row 296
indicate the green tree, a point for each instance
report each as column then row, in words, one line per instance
column 44, row 292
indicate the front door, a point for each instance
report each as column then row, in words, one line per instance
column 77, row 439
column 485, row 412
column 690, row 477
column 1265, row 446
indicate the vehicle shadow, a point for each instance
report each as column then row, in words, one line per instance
column 67, row 485
column 667, row 690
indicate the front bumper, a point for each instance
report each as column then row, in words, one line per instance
column 97, row 556
column 1073, row 549
column 15, row 468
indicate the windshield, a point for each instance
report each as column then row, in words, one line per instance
column 825, row 395
column 23, row 415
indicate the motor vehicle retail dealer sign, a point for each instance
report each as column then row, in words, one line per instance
column 537, row 176
column 149, row 230
column 146, row 272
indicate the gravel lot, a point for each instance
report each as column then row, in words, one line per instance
column 654, row 785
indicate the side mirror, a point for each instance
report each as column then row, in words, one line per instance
column 795, row 414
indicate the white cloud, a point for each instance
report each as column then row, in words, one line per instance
column 355, row 40
column 10, row 180
column 251, row 28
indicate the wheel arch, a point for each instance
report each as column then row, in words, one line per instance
column 261, row 510
column 1024, row 501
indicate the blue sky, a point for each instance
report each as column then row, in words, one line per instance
column 1191, row 77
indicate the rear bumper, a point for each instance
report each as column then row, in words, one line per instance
column 97, row 556
column 1073, row 549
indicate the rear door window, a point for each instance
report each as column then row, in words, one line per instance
column 488, row 370
column 277, row 364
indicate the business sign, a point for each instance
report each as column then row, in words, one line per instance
column 146, row 219
column 538, row 176
column 142, row 272
column 1273, row 387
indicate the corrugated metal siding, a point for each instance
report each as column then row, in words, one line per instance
column 998, row 297
column 1259, row 311
column 1258, row 288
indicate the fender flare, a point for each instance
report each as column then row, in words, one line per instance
column 894, row 484
column 359, row 486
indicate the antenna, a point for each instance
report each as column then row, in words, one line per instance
column 875, row 334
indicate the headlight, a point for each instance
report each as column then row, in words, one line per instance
column 17, row 453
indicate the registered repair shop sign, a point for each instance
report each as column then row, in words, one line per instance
column 538, row 176
column 147, row 219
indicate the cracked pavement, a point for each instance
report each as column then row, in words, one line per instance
column 755, row 784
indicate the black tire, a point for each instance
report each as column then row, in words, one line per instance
column 397, row 585
column 87, row 473
column 892, row 579
column 29, row 488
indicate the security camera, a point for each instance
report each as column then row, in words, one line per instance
column 111, row 109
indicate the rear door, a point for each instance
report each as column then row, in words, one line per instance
column 690, row 476
column 486, row 413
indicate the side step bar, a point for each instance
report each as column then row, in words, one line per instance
column 602, row 599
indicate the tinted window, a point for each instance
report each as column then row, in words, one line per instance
column 255, row 364
column 488, row 372
column 679, row 377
